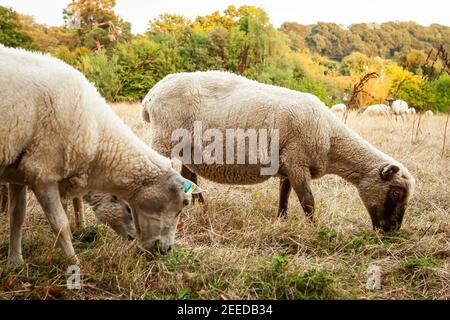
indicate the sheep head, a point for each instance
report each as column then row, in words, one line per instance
column 156, row 208
column 385, row 192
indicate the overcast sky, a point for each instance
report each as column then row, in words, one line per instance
column 138, row 12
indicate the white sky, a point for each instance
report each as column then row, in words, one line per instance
column 138, row 12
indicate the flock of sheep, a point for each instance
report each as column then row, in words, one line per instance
column 395, row 107
column 62, row 141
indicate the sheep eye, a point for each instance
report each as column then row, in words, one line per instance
column 396, row 194
column 185, row 202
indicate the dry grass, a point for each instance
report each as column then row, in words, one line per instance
column 235, row 247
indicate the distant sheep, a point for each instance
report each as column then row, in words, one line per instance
column 411, row 111
column 377, row 110
column 429, row 113
column 60, row 138
column 399, row 107
column 339, row 108
column 313, row 142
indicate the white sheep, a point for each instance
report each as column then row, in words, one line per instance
column 411, row 111
column 108, row 209
column 338, row 108
column 312, row 141
column 60, row 138
column 399, row 107
column 429, row 113
column 377, row 110
column 113, row 212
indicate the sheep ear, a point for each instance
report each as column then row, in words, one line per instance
column 145, row 115
column 388, row 171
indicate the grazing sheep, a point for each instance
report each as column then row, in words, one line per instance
column 113, row 212
column 399, row 107
column 429, row 113
column 339, row 108
column 108, row 210
column 377, row 110
column 312, row 141
column 411, row 111
column 60, row 138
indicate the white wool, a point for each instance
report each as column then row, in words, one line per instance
column 377, row 109
column 313, row 141
column 61, row 125
column 339, row 107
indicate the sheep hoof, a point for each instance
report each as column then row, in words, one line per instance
column 15, row 261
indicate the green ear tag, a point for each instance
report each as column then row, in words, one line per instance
column 189, row 187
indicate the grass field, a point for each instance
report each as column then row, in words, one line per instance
column 234, row 247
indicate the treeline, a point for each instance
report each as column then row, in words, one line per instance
column 324, row 59
column 390, row 40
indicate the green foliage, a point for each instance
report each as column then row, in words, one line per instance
column 11, row 30
column 439, row 93
column 141, row 63
column 325, row 59
column 422, row 262
column 280, row 283
column 103, row 71
column 386, row 40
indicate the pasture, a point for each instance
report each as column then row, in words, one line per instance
column 234, row 246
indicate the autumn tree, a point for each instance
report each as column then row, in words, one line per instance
column 170, row 24
column 12, row 33
column 96, row 23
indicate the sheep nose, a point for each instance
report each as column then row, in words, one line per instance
column 130, row 237
column 160, row 248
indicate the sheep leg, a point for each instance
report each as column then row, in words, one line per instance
column 3, row 198
column 17, row 209
column 304, row 194
column 285, row 191
column 49, row 198
column 78, row 208
column 188, row 174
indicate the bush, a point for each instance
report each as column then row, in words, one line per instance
column 103, row 72
column 141, row 63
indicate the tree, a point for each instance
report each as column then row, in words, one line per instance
column 49, row 39
column 297, row 34
column 358, row 63
column 407, row 86
column 171, row 24
column 141, row 63
column 97, row 25
column 11, row 30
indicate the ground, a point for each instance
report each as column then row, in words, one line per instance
column 234, row 246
